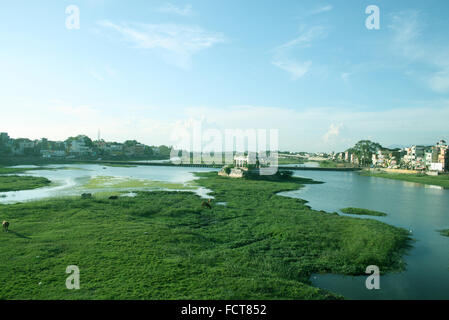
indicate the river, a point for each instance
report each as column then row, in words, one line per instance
column 419, row 208
column 71, row 179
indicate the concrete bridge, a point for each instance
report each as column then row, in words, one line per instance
column 203, row 165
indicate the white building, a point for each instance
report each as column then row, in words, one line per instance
column 79, row 146
column 241, row 161
column 436, row 166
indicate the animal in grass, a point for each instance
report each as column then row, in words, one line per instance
column 86, row 195
column 5, row 225
column 113, row 197
column 206, row 204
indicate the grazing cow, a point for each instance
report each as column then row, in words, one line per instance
column 113, row 198
column 206, row 204
column 5, row 225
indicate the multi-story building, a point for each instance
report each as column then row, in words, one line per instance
column 4, row 138
column 415, row 157
column 79, row 147
column 53, row 153
column 437, row 159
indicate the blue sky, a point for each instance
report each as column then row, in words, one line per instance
column 138, row 69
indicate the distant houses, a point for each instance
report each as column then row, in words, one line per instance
column 78, row 147
column 416, row 157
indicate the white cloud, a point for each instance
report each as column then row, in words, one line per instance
column 178, row 43
column 345, row 76
column 308, row 129
column 439, row 82
column 322, row 9
column 283, row 54
column 177, row 10
column 333, row 132
column 336, row 128
column 407, row 42
column 96, row 75
column 305, row 38
column 295, row 68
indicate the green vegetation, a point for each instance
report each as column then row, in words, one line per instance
column 163, row 245
column 444, row 232
column 365, row 212
column 101, row 182
column 16, row 183
column 364, row 149
column 440, row 180
column 290, row 160
column 334, row 164
column 4, row 170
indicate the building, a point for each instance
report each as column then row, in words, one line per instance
column 115, row 149
column 241, row 161
column 438, row 157
column 53, row 154
column 348, row 156
column 79, row 147
column 443, row 158
column 4, row 138
column 23, row 147
column 415, row 157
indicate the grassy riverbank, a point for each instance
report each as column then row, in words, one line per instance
column 290, row 160
column 163, row 245
column 16, row 183
column 365, row 212
column 4, row 170
column 440, row 180
column 334, row 164
column 444, row 232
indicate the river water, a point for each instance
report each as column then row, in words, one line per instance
column 421, row 209
column 68, row 180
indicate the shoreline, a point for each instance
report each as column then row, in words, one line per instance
column 440, row 180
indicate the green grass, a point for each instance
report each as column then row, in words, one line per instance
column 290, row 160
column 365, row 212
column 4, row 170
column 101, row 182
column 163, row 245
column 16, row 183
column 440, row 180
column 334, row 164
column 444, row 232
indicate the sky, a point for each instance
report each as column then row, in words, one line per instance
column 310, row 69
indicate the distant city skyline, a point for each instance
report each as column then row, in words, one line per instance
column 310, row 69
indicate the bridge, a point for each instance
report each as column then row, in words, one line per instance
column 204, row 165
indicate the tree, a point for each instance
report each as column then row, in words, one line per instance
column 164, row 151
column 130, row 143
column 364, row 150
column 87, row 141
